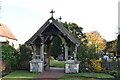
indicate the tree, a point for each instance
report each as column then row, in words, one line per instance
column 56, row 47
column 111, row 46
column 76, row 31
column 95, row 38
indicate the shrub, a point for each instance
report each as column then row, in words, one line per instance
column 85, row 66
column 25, row 55
column 115, row 73
column 96, row 65
column 2, row 65
column 87, row 52
column 10, row 55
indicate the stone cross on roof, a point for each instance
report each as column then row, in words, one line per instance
column 60, row 18
column 52, row 12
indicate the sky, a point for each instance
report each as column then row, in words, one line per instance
column 25, row 17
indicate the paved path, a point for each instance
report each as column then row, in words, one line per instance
column 52, row 74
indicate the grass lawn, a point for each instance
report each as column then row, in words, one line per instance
column 79, row 79
column 87, row 76
column 20, row 75
column 57, row 63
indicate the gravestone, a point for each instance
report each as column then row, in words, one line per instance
column 60, row 57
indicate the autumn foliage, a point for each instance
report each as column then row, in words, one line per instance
column 95, row 38
column 96, row 65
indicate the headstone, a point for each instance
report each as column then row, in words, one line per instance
column 60, row 57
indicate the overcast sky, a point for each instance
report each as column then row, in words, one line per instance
column 25, row 17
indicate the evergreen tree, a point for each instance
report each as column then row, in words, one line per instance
column 76, row 31
column 56, row 47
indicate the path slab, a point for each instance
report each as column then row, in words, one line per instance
column 53, row 74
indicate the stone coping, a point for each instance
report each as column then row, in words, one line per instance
column 36, row 61
column 71, row 62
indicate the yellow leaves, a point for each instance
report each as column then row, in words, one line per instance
column 96, row 65
column 95, row 38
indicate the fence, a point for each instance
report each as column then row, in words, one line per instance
column 111, row 65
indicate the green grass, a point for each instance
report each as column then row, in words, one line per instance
column 20, row 75
column 88, row 76
column 79, row 79
column 57, row 63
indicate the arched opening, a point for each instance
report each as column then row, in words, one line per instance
column 53, row 50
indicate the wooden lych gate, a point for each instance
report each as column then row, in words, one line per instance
column 44, row 36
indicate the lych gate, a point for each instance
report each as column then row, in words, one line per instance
column 45, row 35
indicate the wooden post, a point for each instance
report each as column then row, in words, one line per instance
column 34, row 53
column 75, row 53
column 48, row 56
column 42, row 49
column 42, row 52
column 66, row 51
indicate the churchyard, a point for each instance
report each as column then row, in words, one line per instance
column 63, row 47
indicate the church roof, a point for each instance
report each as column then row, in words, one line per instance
column 59, row 26
column 5, row 32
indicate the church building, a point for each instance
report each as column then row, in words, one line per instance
column 6, row 36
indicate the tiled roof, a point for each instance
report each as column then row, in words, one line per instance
column 5, row 32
